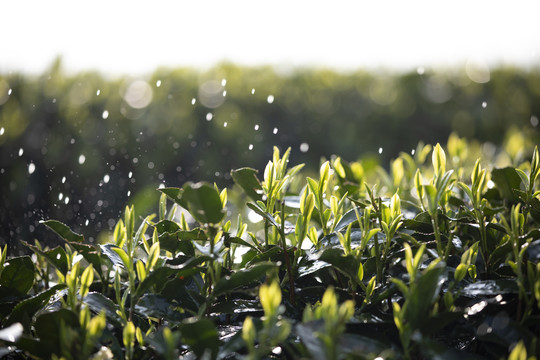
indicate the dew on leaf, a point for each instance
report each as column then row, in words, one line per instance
column 82, row 159
column 31, row 168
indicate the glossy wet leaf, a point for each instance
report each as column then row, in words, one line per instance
column 156, row 306
column 63, row 230
column 507, row 181
column 17, row 276
column 56, row 257
column 201, row 336
column 203, row 203
column 490, row 288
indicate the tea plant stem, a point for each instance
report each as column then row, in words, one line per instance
column 435, row 223
column 286, row 254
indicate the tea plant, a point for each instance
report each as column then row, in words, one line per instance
column 431, row 259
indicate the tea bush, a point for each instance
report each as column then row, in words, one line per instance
column 431, row 259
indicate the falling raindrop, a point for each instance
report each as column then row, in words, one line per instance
column 534, row 121
column 82, row 159
column 225, row 124
column 484, row 105
column 31, row 168
column 10, row 91
column 105, row 114
column 21, row 151
column 66, row 200
column 209, row 116
column 420, row 70
column 270, row 99
column 72, row 141
column 158, row 83
column 413, row 151
column 223, row 82
column 106, row 178
column 252, row 91
column 63, row 180
column 275, row 131
column 129, row 193
column 256, row 127
column 130, row 174
column 193, row 101
column 250, row 147
column 86, row 222
column 98, row 92
column 150, row 165
column 2, row 131
column 60, row 196
column 224, row 92
column 304, row 147
column 380, row 150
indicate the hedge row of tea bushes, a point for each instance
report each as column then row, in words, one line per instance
column 179, row 125
column 437, row 258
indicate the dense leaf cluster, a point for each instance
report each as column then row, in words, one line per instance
column 434, row 259
column 179, row 125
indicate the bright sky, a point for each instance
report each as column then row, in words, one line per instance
column 132, row 37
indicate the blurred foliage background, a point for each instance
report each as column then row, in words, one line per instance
column 79, row 147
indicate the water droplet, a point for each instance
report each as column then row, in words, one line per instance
column 63, row 180
column 209, row 116
column 304, row 147
column 150, row 165
column 420, row 70
column 380, row 150
column 10, row 91
column 224, row 92
column 105, row 114
column 86, row 222
column 270, row 99
column 60, row 196
column 72, row 141
column 223, row 82
column 98, row 92
column 161, row 186
column 256, row 127
column 158, row 83
column 413, row 151
column 82, row 159
column 193, row 101
column 129, row 193
column 31, row 168
column 66, row 200
column 106, row 178
column 225, row 124
column 130, row 174
column 2, row 131
column 250, row 147
column 252, row 91
column 484, row 105
column 275, row 131
column 21, row 151
column 534, row 122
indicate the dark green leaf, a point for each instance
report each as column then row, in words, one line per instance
column 242, row 277
column 17, row 277
column 203, row 203
column 48, row 325
column 26, row 309
column 156, row 306
column 246, row 178
column 490, row 288
column 348, row 265
column 201, row 335
column 167, row 226
column 56, row 257
column 98, row 302
column 175, row 194
column 63, row 230
column 507, row 181
column 263, row 213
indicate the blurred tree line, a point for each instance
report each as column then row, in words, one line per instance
column 78, row 148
